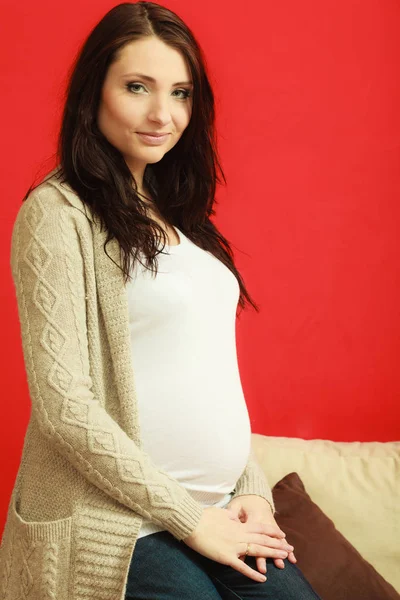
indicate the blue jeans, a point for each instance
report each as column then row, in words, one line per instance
column 163, row 568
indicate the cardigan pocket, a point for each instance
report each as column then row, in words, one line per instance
column 36, row 557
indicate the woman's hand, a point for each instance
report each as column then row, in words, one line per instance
column 223, row 538
column 255, row 508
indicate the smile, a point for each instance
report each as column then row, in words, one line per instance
column 153, row 140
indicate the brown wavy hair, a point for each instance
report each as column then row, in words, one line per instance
column 182, row 184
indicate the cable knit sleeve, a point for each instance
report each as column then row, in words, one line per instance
column 48, row 271
column 254, row 481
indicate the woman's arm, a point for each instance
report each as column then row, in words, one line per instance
column 48, row 270
column 254, row 481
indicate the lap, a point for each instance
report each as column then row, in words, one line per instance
column 288, row 583
column 164, row 568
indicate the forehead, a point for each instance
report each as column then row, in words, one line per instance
column 154, row 58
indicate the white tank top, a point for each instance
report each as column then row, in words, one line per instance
column 193, row 416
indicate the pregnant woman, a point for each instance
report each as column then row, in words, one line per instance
column 137, row 479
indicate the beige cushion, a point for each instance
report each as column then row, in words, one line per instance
column 357, row 484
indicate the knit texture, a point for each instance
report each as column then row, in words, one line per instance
column 84, row 483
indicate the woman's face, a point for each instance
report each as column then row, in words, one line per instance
column 131, row 104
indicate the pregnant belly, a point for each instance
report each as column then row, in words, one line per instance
column 204, row 450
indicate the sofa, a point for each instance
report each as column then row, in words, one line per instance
column 339, row 505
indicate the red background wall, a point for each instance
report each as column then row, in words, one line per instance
column 308, row 101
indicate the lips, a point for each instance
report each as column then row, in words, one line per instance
column 153, row 134
column 153, row 140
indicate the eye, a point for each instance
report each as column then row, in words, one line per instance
column 130, row 85
column 185, row 93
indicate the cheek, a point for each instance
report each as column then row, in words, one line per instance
column 187, row 115
column 117, row 122
column 107, row 118
column 182, row 119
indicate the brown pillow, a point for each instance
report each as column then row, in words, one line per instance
column 334, row 568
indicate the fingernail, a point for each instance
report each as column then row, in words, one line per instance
column 263, row 578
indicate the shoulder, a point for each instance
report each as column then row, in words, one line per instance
column 50, row 219
column 52, row 197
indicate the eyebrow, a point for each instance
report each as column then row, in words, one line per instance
column 152, row 80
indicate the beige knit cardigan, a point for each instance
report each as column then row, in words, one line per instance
column 84, row 483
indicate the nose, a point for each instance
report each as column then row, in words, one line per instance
column 160, row 111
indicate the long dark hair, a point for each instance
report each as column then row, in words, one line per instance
column 182, row 184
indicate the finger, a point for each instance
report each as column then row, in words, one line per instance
column 264, row 551
column 261, row 564
column 266, row 528
column 279, row 563
column 292, row 557
column 233, row 516
column 266, row 540
column 245, row 569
